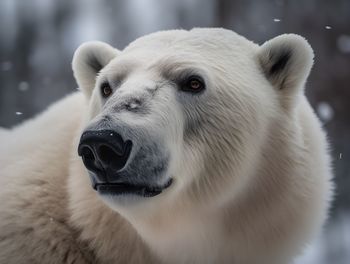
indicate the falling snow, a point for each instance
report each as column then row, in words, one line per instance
column 276, row 20
column 19, row 113
column 328, row 27
column 23, row 86
column 325, row 111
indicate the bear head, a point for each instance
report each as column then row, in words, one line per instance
column 180, row 117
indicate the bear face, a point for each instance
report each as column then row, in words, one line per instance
column 182, row 115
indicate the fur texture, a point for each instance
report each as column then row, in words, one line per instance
column 252, row 179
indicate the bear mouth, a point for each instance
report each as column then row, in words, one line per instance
column 117, row 189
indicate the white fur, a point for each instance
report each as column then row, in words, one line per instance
column 252, row 179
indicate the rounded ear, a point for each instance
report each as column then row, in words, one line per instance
column 88, row 60
column 286, row 61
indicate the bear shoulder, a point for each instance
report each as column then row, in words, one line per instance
column 33, row 211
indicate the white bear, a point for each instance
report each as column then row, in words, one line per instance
column 186, row 147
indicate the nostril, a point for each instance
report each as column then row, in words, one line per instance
column 88, row 157
column 112, row 157
column 107, row 155
column 87, row 153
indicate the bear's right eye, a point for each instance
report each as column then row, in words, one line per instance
column 106, row 89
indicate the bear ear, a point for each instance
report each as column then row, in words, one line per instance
column 286, row 61
column 88, row 61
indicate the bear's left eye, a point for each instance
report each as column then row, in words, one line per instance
column 193, row 84
column 106, row 89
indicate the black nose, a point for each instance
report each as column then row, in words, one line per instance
column 103, row 151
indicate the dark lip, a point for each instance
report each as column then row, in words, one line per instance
column 133, row 189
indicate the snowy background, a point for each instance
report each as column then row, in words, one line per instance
column 38, row 38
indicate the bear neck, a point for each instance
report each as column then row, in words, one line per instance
column 184, row 235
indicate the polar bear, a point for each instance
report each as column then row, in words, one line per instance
column 186, row 147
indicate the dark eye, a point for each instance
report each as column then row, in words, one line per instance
column 193, row 84
column 106, row 89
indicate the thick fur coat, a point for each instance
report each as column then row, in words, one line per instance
column 249, row 163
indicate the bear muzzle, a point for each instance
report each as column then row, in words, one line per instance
column 105, row 154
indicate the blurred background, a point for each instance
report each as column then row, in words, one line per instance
column 38, row 38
